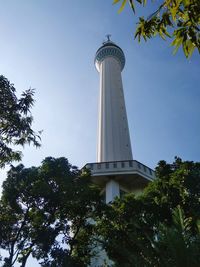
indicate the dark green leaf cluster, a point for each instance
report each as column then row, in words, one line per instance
column 15, row 122
column 177, row 245
column 44, row 213
column 161, row 226
column 179, row 19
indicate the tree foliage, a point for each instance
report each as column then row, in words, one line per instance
column 159, row 227
column 49, row 212
column 177, row 245
column 43, row 213
column 15, row 121
column 179, row 19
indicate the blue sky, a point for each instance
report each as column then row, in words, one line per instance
column 50, row 45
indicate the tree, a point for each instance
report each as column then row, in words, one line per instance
column 178, row 19
column 15, row 122
column 49, row 211
column 177, row 245
column 148, row 226
column 43, row 213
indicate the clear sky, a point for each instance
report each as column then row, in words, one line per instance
column 50, row 45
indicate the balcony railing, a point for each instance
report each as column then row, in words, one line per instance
column 120, row 167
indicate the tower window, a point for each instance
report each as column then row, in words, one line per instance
column 99, row 166
column 122, row 164
column 114, row 165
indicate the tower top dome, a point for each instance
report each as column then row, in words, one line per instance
column 109, row 49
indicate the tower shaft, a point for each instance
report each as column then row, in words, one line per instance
column 113, row 132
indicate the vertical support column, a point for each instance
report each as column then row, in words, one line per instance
column 112, row 190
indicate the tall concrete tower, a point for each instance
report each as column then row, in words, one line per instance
column 115, row 170
column 113, row 132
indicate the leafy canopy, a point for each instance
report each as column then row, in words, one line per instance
column 161, row 226
column 177, row 19
column 49, row 212
column 15, row 122
column 44, row 212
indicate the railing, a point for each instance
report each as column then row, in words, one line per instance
column 117, row 167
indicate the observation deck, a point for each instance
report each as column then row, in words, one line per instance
column 109, row 49
column 131, row 174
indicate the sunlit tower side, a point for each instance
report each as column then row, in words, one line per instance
column 113, row 131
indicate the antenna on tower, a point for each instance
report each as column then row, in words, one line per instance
column 108, row 37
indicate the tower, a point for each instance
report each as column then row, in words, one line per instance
column 113, row 132
column 115, row 170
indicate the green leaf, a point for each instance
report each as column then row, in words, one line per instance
column 176, row 48
column 132, row 5
column 116, row 1
column 144, row 2
column 198, row 225
column 191, row 48
column 122, row 6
